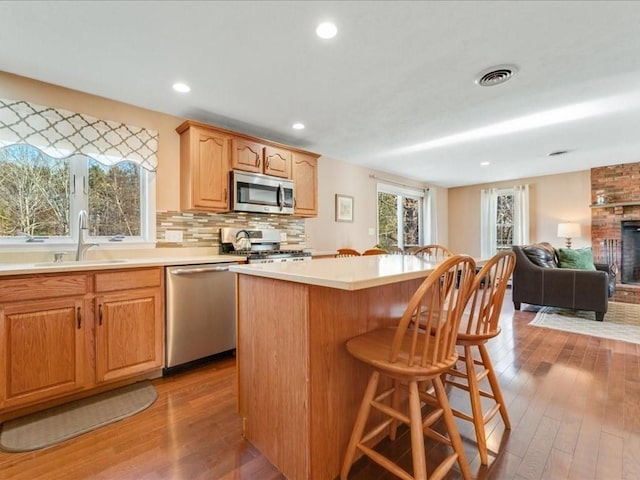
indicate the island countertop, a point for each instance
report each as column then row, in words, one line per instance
column 346, row 273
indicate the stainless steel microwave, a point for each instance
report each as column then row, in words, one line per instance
column 254, row 192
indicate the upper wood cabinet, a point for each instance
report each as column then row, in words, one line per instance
column 207, row 154
column 204, row 168
column 255, row 157
column 304, row 171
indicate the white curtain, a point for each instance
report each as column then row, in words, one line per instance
column 430, row 217
column 521, row 215
column 60, row 133
column 488, row 214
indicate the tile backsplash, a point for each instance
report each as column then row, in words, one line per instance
column 203, row 229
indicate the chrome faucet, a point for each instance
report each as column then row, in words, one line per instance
column 83, row 227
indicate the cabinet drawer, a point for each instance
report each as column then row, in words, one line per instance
column 127, row 279
column 41, row 287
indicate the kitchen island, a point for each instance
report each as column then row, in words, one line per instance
column 299, row 390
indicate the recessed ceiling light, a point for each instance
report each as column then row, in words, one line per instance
column 326, row 30
column 484, row 164
column 298, row 126
column 181, row 87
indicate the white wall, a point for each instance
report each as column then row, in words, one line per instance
column 335, row 176
column 553, row 199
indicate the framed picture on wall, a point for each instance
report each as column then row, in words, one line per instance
column 344, row 208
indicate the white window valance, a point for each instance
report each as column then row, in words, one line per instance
column 61, row 133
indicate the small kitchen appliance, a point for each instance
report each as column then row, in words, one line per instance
column 262, row 246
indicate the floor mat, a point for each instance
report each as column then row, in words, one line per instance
column 54, row 425
column 621, row 322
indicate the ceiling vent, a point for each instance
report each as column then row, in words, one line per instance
column 558, row 152
column 496, row 75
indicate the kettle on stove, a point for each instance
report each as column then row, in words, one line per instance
column 242, row 241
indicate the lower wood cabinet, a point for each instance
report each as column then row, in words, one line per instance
column 43, row 351
column 61, row 334
column 128, row 334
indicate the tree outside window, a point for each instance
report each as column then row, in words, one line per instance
column 399, row 217
column 40, row 195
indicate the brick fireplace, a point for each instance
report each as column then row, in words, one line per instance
column 620, row 187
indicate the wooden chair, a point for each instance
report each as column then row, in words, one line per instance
column 433, row 251
column 347, row 252
column 479, row 324
column 408, row 355
column 374, row 251
column 395, row 250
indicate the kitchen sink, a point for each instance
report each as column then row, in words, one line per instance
column 80, row 262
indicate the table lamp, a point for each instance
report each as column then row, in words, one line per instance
column 569, row 231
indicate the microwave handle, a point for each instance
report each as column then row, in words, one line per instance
column 280, row 196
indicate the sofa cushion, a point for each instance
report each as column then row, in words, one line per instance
column 581, row 258
column 542, row 254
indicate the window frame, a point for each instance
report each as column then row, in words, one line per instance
column 79, row 172
column 401, row 192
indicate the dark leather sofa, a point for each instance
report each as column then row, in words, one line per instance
column 551, row 286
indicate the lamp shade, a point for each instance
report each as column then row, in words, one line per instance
column 569, row 230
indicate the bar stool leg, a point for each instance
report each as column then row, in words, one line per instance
column 476, row 405
column 417, row 433
column 361, row 421
column 454, row 436
column 495, row 386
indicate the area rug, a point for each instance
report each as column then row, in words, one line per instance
column 621, row 322
column 56, row 424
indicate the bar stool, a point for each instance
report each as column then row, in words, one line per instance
column 374, row 251
column 433, row 251
column 347, row 252
column 479, row 324
column 409, row 355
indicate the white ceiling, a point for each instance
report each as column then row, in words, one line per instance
column 398, row 74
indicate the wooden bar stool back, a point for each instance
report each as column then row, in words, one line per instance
column 407, row 354
column 433, row 251
column 347, row 252
column 374, row 251
column 479, row 324
column 395, row 250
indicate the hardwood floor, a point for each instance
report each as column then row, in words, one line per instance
column 574, row 403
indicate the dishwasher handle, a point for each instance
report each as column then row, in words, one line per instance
column 187, row 271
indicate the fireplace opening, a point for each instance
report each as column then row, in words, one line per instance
column 630, row 261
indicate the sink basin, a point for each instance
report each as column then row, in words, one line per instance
column 81, row 262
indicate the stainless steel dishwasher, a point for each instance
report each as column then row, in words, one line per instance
column 200, row 312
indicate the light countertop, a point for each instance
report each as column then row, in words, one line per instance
column 348, row 273
column 69, row 266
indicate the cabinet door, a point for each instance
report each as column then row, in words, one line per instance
column 204, row 170
column 246, row 155
column 129, row 336
column 304, row 172
column 277, row 161
column 43, row 350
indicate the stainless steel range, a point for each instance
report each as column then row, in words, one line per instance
column 258, row 245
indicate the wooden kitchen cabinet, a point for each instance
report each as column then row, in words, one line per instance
column 44, row 323
column 251, row 156
column 68, row 334
column 129, row 323
column 304, row 172
column 204, row 168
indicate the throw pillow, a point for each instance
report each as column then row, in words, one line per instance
column 581, row 258
column 542, row 254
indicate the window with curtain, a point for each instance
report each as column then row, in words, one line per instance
column 55, row 163
column 400, row 216
column 504, row 219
